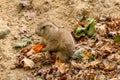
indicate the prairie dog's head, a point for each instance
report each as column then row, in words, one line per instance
column 45, row 28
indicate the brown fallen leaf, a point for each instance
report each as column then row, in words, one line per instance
column 93, row 64
column 39, row 57
column 114, row 57
column 113, row 24
column 62, row 67
column 30, row 53
column 101, row 30
column 100, row 77
column 114, row 79
column 117, row 56
column 76, row 65
column 86, row 55
column 109, row 65
column 27, row 63
column 25, row 50
column 106, row 48
column 64, row 77
column 99, row 44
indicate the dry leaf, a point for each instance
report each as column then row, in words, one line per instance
column 64, row 77
column 76, row 65
column 114, row 79
column 39, row 57
column 38, row 48
column 62, row 67
column 109, row 65
column 25, row 50
column 27, row 63
column 86, row 55
column 118, row 67
column 100, row 77
column 117, row 56
column 106, row 48
column 99, row 44
column 93, row 64
column 101, row 30
column 30, row 53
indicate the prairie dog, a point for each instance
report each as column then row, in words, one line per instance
column 56, row 39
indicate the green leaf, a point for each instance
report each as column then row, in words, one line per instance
column 80, row 35
column 80, row 31
column 92, row 58
column 91, row 27
column 40, row 79
column 77, row 55
column 117, row 39
column 24, row 42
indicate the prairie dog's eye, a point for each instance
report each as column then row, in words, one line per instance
column 43, row 27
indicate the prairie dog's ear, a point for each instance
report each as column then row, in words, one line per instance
column 39, row 24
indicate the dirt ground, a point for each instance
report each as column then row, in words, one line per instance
column 62, row 12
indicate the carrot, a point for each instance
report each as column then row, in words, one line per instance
column 38, row 48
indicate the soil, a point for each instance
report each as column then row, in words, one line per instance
column 62, row 12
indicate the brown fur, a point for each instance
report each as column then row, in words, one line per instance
column 56, row 39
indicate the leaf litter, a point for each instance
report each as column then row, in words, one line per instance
column 98, row 60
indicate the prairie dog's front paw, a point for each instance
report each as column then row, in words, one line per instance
column 44, row 49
